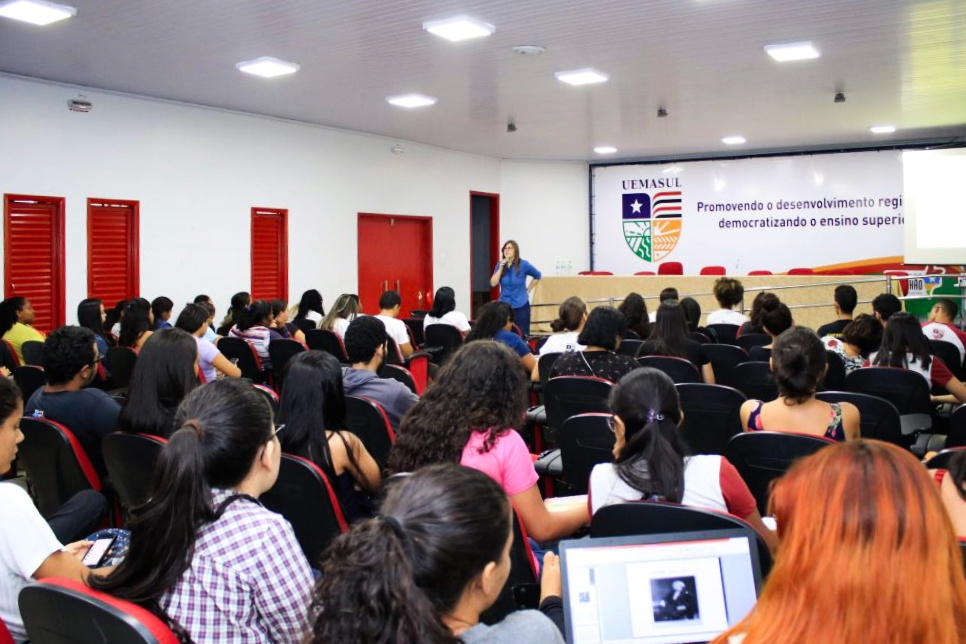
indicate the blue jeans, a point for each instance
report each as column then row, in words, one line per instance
column 521, row 317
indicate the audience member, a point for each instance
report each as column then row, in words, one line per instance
column 692, row 317
column 495, row 322
column 601, row 336
column 70, row 363
column 652, row 463
column 253, row 326
column 669, row 293
column 288, row 330
column 952, row 489
column 670, row 337
column 510, row 274
column 91, row 315
column 860, row 338
column 161, row 308
column 444, row 311
column 341, row 315
column 867, row 554
column 571, row 317
column 113, row 317
column 166, row 371
column 905, row 347
column 753, row 325
column 209, row 333
column 634, row 310
column 239, row 303
column 428, row 567
column 365, row 343
column 136, row 323
column 310, row 307
column 941, row 325
column 845, row 300
column 194, row 321
column 470, row 415
column 313, row 412
column 16, row 316
column 884, row 306
column 775, row 319
column 729, row 293
column 204, row 554
column 389, row 305
column 799, row 363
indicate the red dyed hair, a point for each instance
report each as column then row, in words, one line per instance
column 867, row 553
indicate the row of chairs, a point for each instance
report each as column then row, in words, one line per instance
column 677, row 268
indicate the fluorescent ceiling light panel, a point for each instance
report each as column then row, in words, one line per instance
column 882, row 129
column 585, row 76
column 411, row 100
column 459, row 28
column 267, row 67
column 733, row 140
column 605, row 149
column 36, row 12
column 787, row 52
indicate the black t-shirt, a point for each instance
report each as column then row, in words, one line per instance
column 833, row 329
column 694, row 352
column 601, row 364
column 759, row 354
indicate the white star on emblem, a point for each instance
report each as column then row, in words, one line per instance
column 636, row 206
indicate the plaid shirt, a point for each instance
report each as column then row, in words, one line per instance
column 248, row 582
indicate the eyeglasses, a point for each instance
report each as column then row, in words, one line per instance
column 97, row 359
column 612, row 423
column 278, row 428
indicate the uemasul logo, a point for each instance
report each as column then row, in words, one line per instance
column 652, row 223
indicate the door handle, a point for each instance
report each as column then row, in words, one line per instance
column 397, row 286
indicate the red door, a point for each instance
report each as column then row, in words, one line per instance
column 395, row 254
column 33, row 257
column 113, row 265
column 269, row 254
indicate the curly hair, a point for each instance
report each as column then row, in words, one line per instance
column 481, row 388
column 728, row 292
column 66, row 351
column 493, row 317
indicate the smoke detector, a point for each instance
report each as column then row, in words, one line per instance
column 80, row 104
column 529, row 50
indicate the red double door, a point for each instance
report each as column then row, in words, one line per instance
column 34, row 255
column 395, row 254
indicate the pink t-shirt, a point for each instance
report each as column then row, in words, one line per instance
column 508, row 463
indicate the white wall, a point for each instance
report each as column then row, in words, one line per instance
column 197, row 172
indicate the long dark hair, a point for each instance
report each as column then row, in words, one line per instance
column 8, row 312
column 135, row 321
column 311, row 301
column 652, row 458
column 254, row 315
column 443, row 302
column 799, row 361
column 239, row 302
column 481, row 388
column 392, row 579
column 692, row 312
column 10, row 397
column 222, row 428
column 114, row 315
column 89, row 317
column 634, row 309
column 163, row 375
column 493, row 317
column 902, row 336
column 669, row 335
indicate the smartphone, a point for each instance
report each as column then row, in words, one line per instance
column 95, row 555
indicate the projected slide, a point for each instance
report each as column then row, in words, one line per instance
column 935, row 231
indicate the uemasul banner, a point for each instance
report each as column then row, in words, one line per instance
column 776, row 213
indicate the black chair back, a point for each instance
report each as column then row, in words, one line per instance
column 367, row 420
column 130, row 461
column 33, row 353
column 941, row 460
column 8, row 356
column 305, row 497
column 120, row 362
column 727, row 333
column 957, row 428
column 755, row 380
column 566, row 396
column 523, row 576
column 629, row 347
column 305, row 325
column 325, row 340
column 280, row 352
column 270, row 397
column 585, row 441
column 835, row 376
column 680, row 370
column 545, row 366
column 243, row 355
column 879, row 418
column 29, row 379
column 762, row 457
column 750, row 340
column 907, row 390
column 444, row 340
column 57, row 466
column 712, row 415
column 416, row 332
column 945, row 351
column 400, row 373
column 724, row 358
column 701, row 338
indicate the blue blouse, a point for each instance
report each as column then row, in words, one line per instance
column 513, row 285
column 513, row 341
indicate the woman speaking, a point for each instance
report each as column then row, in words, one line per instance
column 511, row 274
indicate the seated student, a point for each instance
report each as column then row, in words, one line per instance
column 775, row 319
column 669, row 293
column 166, row 372
column 253, row 326
column 313, row 412
column 867, row 554
column 495, row 322
column 136, row 324
column 209, row 333
column 799, row 362
column 905, row 347
column 634, row 310
column 30, row 549
column 91, row 315
column 310, row 307
column 70, row 363
column 341, row 315
column 601, row 336
column 444, row 311
column 753, row 325
column 16, row 316
column 941, row 325
column 470, row 415
column 571, row 317
column 365, row 343
column 729, row 293
column 239, row 304
column 884, row 306
column 161, row 308
column 205, row 555
column 282, row 326
column 194, row 320
column 952, row 489
column 845, row 300
column 860, row 338
column 692, row 317
column 436, row 558
column 112, row 321
column 389, row 305
column 669, row 337
column 651, row 462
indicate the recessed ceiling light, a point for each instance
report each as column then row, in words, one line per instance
column 605, row 149
column 36, row 12
column 267, row 67
column 585, row 76
column 459, row 28
column 882, row 129
column 411, row 100
column 792, row 51
column 733, row 140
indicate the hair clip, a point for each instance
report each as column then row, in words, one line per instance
column 653, row 415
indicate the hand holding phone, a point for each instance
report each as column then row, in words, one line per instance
column 97, row 552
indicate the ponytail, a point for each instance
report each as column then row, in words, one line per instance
column 8, row 313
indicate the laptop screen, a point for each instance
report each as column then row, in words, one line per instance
column 658, row 589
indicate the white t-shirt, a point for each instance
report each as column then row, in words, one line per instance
column 314, row 316
column 726, row 316
column 25, row 542
column 453, row 318
column 341, row 324
column 396, row 329
column 944, row 333
column 562, row 343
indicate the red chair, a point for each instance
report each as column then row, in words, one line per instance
column 55, row 611
column 270, row 396
column 801, row 271
column 713, row 270
column 644, row 273
column 5, row 636
column 760, row 273
column 10, row 359
column 671, row 268
column 417, row 363
column 594, row 273
column 57, row 466
column 245, row 357
column 400, row 374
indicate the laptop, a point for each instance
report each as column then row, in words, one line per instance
column 658, row 588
